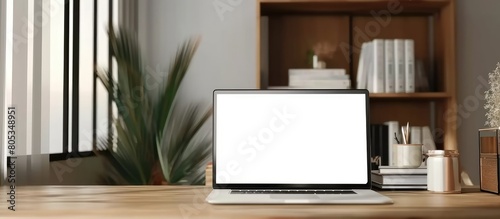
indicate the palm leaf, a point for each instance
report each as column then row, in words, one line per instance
column 182, row 150
column 142, row 139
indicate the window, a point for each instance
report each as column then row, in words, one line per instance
column 52, row 48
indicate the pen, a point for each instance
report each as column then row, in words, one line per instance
column 403, row 132
column 408, row 133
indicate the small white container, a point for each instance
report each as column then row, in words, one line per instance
column 442, row 171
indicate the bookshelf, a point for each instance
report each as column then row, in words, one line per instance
column 289, row 28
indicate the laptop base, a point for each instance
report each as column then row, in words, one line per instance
column 361, row 196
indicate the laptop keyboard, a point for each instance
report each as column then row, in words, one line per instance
column 291, row 191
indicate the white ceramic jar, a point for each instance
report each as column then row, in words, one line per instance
column 442, row 171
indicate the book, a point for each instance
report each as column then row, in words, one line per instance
column 378, row 145
column 374, row 149
column 317, row 73
column 378, row 66
column 382, row 170
column 389, row 67
column 399, row 66
column 412, row 187
column 361, row 77
column 399, row 179
column 416, row 135
column 427, row 139
column 328, row 84
column 369, row 70
column 383, row 142
column 421, row 78
column 393, row 127
column 409, row 66
column 294, row 87
column 319, row 78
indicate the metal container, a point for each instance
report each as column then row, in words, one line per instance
column 489, row 157
column 442, row 171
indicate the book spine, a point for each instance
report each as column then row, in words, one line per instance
column 318, row 77
column 378, row 66
column 389, row 67
column 361, row 75
column 427, row 139
column 333, row 84
column 317, row 72
column 409, row 66
column 403, row 180
column 383, row 143
column 393, row 128
column 369, row 70
column 399, row 67
column 374, row 149
column 416, row 135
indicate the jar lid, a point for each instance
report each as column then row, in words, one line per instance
column 445, row 153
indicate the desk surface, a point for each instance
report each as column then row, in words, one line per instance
column 189, row 202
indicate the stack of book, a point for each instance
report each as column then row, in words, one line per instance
column 389, row 66
column 390, row 177
column 318, row 79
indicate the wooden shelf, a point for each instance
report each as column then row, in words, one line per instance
column 411, row 96
column 289, row 29
column 347, row 6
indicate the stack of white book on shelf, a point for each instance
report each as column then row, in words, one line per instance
column 388, row 66
column 318, row 79
column 391, row 177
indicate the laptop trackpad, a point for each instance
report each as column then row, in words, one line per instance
column 294, row 196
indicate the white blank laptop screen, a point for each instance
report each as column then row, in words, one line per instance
column 291, row 139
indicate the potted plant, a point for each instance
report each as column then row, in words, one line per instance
column 155, row 139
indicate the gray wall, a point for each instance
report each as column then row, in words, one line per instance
column 478, row 51
column 227, row 55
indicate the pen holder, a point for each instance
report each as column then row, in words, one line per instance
column 408, row 155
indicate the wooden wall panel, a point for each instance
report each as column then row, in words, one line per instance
column 417, row 113
column 291, row 36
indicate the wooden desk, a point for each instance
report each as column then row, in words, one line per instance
column 189, row 202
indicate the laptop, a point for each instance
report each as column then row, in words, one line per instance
column 292, row 147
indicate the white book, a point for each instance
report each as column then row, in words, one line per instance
column 317, row 77
column 416, row 135
column 378, row 66
column 389, row 67
column 388, row 170
column 302, row 88
column 427, row 139
column 399, row 66
column 399, row 179
column 409, row 66
column 393, row 127
column 392, row 187
column 317, row 72
column 369, row 70
column 322, row 84
column 361, row 77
